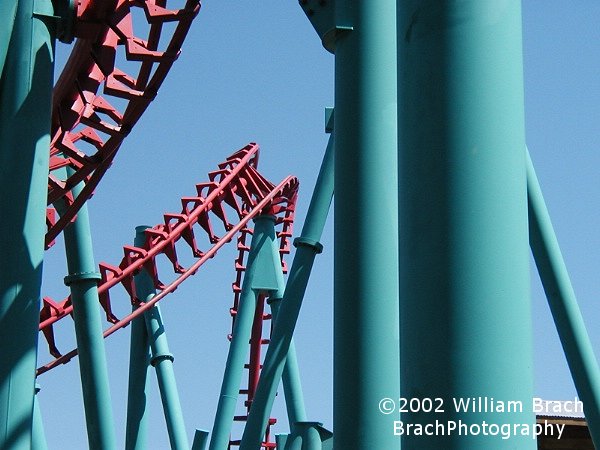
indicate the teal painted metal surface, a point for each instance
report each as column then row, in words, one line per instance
column 200, row 440
column 292, row 385
column 25, row 95
column 563, row 304
column 82, row 281
column 8, row 12
column 366, row 347
column 38, row 440
column 281, row 344
column 139, row 365
column 261, row 249
column 464, row 263
column 162, row 359
column 308, row 436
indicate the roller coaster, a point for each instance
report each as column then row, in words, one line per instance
column 123, row 52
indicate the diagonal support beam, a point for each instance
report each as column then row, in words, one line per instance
column 563, row 304
column 308, row 247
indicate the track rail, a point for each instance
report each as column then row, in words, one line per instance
column 237, row 187
column 144, row 38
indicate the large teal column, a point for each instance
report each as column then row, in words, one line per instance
column 26, row 64
column 464, row 264
column 83, row 283
column 38, row 441
column 563, row 304
column 366, row 347
column 276, row 359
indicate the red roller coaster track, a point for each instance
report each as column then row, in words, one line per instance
column 111, row 60
column 87, row 130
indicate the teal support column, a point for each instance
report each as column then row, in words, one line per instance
column 162, row 359
column 200, row 440
column 83, row 283
column 27, row 64
column 292, row 385
column 38, row 441
column 262, row 275
column 307, row 436
column 563, row 304
column 139, row 365
column 285, row 319
column 464, row 264
column 366, row 347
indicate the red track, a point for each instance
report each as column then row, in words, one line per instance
column 236, row 186
column 123, row 52
column 87, row 130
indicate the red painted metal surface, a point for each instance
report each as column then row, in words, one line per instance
column 123, row 53
column 235, row 194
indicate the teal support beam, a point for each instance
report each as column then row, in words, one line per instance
column 285, row 319
column 464, row 264
column 200, row 440
column 162, row 359
column 308, row 436
column 27, row 64
column 38, row 441
column 292, row 386
column 139, row 365
column 366, row 337
column 83, row 283
column 563, row 304
column 263, row 274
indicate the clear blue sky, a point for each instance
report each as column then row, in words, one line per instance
column 256, row 71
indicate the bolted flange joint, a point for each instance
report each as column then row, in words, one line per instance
column 305, row 242
column 82, row 276
column 159, row 358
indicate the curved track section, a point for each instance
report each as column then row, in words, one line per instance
column 235, row 194
column 123, row 53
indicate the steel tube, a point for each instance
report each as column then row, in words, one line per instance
column 26, row 64
column 464, row 264
column 139, row 365
column 82, row 281
column 285, row 319
column 563, row 304
column 366, row 346
column 260, row 251
column 161, row 359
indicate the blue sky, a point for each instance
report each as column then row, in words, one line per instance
column 256, row 72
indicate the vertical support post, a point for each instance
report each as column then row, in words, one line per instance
column 563, row 304
column 162, row 359
column 139, row 365
column 285, row 319
column 261, row 275
column 38, row 441
column 366, row 347
column 464, row 263
column 83, row 283
column 27, row 64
